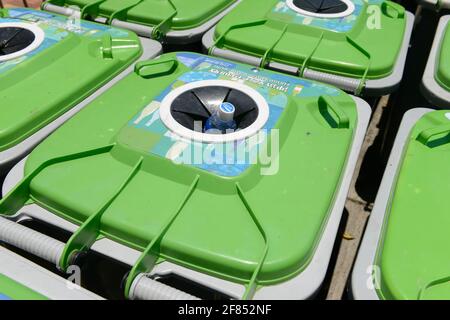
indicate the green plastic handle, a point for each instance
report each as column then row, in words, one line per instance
column 427, row 135
column 430, row 285
column 155, row 68
column 328, row 103
column 121, row 14
column 385, row 6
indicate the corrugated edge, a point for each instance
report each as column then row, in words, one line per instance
column 430, row 88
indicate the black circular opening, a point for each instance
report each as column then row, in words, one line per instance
column 321, row 6
column 192, row 108
column 13, row 39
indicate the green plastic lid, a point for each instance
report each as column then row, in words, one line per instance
column 125, row 165
column 12, row 290
column 180, row 14
column 51, row 64
column 414, row 253
column 443, row 68
column 356, row 39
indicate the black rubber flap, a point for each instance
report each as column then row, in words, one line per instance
column 321, row 6
column 199, row 104
column 13, row 39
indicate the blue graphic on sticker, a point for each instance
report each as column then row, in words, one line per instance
column 343, row 24
column 4, row 297
column 224, row 159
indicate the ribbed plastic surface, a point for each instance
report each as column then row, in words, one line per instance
column 31, row 241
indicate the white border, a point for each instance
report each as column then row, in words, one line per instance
column 173, row 125
column 349, row 11
column 39, row 36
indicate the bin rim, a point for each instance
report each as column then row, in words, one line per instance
column 431, row 89
column 363, row 268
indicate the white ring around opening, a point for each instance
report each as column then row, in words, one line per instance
column 177, row 128
column 39, row 36
column 349, row 11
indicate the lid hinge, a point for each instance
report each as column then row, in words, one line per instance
column 121, row 14
column 219, row 42
column 18, row 197
column 252, row 285
column 349, row 84
column 91, row 9
column 90, row 230
column 268, row 54
column 308, row 58
column 151, row 254
column 362, row 82
column 161, row 29
column 59, row 3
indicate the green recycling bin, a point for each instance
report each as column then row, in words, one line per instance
column 404, row 253
column 21, row 279
column 359, row 46
column 436, row 78
column 435, row 4
column 51, row 67
column 171, row 21
column 254, row 204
